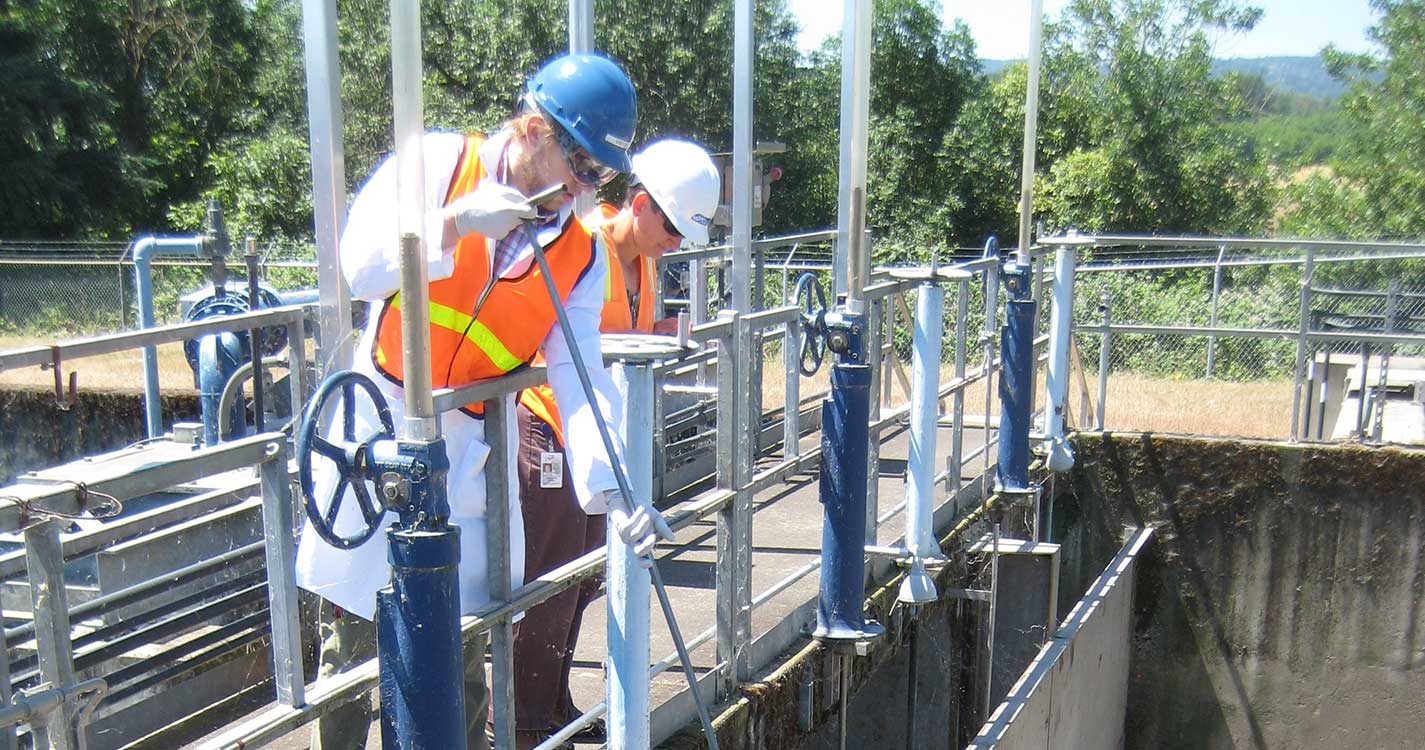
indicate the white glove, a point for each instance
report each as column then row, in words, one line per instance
column 639, row 527
column 492, row 210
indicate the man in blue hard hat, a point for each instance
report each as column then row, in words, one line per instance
column 489, row 314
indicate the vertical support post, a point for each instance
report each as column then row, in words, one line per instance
column 1323, row 392
column 297, row 365
column 324, row 117
column 698, row 306
column 498, row 426
column 875, row 319
column 957, row 436
column 734, row 622
column 848, row 270
column 791, row 393
column 1038, row 297
column 742, row 70
column 1061, row 324
column 749, row 417
column 1031, row 129
column 8, row 741
column 1308, row 271
column 44, row 560
column 279, row 526
column 629, row 583
column 581, row 39
column 1392, row 299
column 1216, row 297
column 1105, row 349
column 925, row 386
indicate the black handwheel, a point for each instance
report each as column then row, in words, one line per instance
column 811, row 301
column 349, row 455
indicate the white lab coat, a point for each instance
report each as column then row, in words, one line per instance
column 370, row 264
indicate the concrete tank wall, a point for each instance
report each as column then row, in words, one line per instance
column 1282, row 605
column 34, row 433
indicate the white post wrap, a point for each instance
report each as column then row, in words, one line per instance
column 918, row 587
column 1061, row 324
column 630, row 584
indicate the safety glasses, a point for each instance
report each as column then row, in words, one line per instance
column 667, row 223
column 586, row 169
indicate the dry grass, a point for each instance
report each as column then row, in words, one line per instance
column 1259, row 409
column 122, row 371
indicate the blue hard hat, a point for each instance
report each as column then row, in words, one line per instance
column 591, row 97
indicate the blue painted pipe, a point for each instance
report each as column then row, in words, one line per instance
column 844, row 422
column 144, row 248
column 219, row 356
column 418, row 618
column 1016, row 384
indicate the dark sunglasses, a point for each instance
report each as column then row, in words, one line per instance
column 586, row 169
column 667, row 224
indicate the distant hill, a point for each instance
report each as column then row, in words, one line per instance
column 1304, row 75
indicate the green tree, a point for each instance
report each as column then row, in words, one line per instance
column 62, row 166
column 1159, row 156
column 1382, row 167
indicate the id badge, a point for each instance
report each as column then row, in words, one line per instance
column 551, row 470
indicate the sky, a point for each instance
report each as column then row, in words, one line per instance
column 1001, row 27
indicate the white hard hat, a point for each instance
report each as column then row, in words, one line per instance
column 682, row 180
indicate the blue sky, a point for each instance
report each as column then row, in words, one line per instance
column 1001, row 27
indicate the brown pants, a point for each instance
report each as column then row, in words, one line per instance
column 556, row 531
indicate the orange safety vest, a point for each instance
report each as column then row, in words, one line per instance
column 506, row 333
column 617, row 318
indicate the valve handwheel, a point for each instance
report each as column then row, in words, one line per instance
column 350, row 456
column 811, row 301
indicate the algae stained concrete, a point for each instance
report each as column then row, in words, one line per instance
column 1282, row 607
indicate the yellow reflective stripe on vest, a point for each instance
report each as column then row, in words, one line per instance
column 474, row 331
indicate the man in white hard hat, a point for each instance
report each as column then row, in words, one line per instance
column 674, row 189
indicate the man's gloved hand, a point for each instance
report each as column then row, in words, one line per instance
column 640, row 526
column 492, row 210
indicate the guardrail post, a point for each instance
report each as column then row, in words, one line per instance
column 1216, row 296
column 1303, row 323
column 297, row 364
column 629, row 583
column 44, row 560
column 279, row 525
column 1105, row 347
column 7, row 696
column 878, row 331
column 791, row 393
column 698, row 304
column 734, row 594
column 957, row 436
column 497, row 571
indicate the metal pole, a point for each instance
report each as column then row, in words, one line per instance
column 8, row 741
column 742, row 122
column 1322, row 393
column 44, row 560
column 912, row 692
column 629, row 582
column 957, row 438
column 733, row 621
column 1031, row 127
column 254, row 336
column 875, row 357
column 844, row 714
column 994, row 600
column 791, row 394
column 324, row 130
column 1216, row 296
column 1303, row 319
column 698, row 302
column 849, row 269
column 1383, row 380
column 279, row 526
column 581, row 39
column 1105, row 347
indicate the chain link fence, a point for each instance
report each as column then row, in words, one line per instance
column 50, row 290
column 1218, row 380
